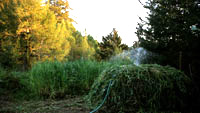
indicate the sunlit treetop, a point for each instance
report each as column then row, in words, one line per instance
column 60, row 9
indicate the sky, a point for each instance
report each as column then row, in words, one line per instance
column 99, row 17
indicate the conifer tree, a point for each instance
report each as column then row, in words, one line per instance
column 167, row 31
column 111, row 45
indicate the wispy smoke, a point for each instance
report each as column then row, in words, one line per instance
column 137, row 55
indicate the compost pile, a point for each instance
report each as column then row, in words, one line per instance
column 144, row 88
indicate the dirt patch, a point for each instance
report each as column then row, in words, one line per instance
column 70, row 105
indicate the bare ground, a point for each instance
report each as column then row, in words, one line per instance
column 70, row 105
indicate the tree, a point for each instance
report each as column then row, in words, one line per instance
column 48, row 38
column 34, row 35
column 81, row 47
column 167, row 31
column 111, row 45
column 93, row 47
column 60, row 9
column 8, row 26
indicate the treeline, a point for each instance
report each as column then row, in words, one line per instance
column 38, row 30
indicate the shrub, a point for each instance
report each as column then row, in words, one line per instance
column 2, row 74
column 12, row 82
column 144, row 88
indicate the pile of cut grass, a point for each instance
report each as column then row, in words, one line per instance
column 144, row 88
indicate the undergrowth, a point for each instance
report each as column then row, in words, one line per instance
column 134, row 88
column 13, row 84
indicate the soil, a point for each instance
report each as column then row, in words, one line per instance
column 69, row 105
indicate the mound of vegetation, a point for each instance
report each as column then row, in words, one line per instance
column 144, row 88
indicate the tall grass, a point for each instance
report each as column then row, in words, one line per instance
column 82, row 74
column 56, row 79
column 48, row 79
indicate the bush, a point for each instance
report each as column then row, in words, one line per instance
column 12, row 82
column 144, row 88
column 2, row 74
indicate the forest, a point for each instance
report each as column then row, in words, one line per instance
column 47, row 65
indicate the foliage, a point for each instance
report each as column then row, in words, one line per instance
column 60, row 9
column 150, row 88
column 167, row 32
column 47, row 38
column 31, row 32
column 94, row 46
column 111, row 46
column 8, row 26
column 82, row 47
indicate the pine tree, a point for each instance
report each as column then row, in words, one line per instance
column 111, row 45
column 168, row 32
